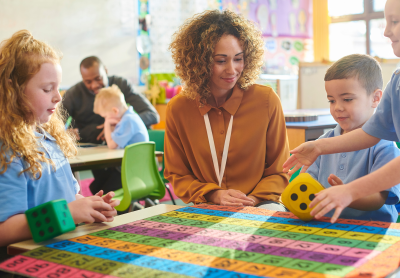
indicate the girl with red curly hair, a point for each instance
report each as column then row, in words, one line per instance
column 34, row 145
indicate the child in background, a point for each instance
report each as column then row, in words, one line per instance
column 384, row 124
column 33, row 142
column 354, row 89
column 122, row 126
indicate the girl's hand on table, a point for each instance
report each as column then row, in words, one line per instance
column 113, row 203
column 88, row 209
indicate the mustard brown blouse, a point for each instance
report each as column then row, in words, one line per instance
column 257, row 150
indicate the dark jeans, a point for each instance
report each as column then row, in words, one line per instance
column 108, row 179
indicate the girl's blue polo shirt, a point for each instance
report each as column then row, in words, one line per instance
column 385, row 123
column 353, row 165
column 20, row 192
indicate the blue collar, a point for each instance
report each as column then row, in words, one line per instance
column 337, row 131
column 43, row 134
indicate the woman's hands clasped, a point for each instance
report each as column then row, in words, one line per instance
column 230, row 197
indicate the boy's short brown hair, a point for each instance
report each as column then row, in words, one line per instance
column 107, row 98
column 363, row 67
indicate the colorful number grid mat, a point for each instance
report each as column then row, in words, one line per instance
column 220, row 241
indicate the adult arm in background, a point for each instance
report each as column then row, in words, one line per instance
column 68, row 102
column 186, row 185
column 273, row 180
column 69, row 106
column 140, row 104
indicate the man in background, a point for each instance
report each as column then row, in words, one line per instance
column 88, row 126
column 79, row 99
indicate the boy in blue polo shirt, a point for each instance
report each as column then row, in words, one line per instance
column 384, row 124
column 122, row 126
column 354, row 89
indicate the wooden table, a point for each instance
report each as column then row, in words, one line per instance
column 98, row 157
column 23, row 246
column 300, row 132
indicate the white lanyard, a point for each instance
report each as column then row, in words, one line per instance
column 219, row 173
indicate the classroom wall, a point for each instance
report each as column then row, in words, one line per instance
column 79, row 28
column 312, row 86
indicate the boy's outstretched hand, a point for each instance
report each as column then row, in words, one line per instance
column 305, row 154
column 335, row 197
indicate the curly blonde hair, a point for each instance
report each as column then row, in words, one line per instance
column 20, row 59
column 193, row 46
column 107, row 98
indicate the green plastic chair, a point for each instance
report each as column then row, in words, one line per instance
column 157, row 136
column 295, row 174
column 139, row 176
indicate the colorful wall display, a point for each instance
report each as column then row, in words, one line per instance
column 287, row 29
column 283, row 54
column 143, row 43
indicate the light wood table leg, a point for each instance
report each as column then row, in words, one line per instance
column 296, row 137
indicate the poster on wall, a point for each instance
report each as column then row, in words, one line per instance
column 167, row 17
column 286, row 26
column 283, row 54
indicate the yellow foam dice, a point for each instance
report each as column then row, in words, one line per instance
column 298, row 195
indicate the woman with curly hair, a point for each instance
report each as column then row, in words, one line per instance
column 34, row 145
column 225, row 137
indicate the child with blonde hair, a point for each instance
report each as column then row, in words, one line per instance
column 34, row 145
column 122, row 126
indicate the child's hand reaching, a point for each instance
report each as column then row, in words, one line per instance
column 89, row 209
column 113, row 203
column 305, row 154
column 335, row 197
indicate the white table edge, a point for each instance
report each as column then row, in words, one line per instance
column 94, row 227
